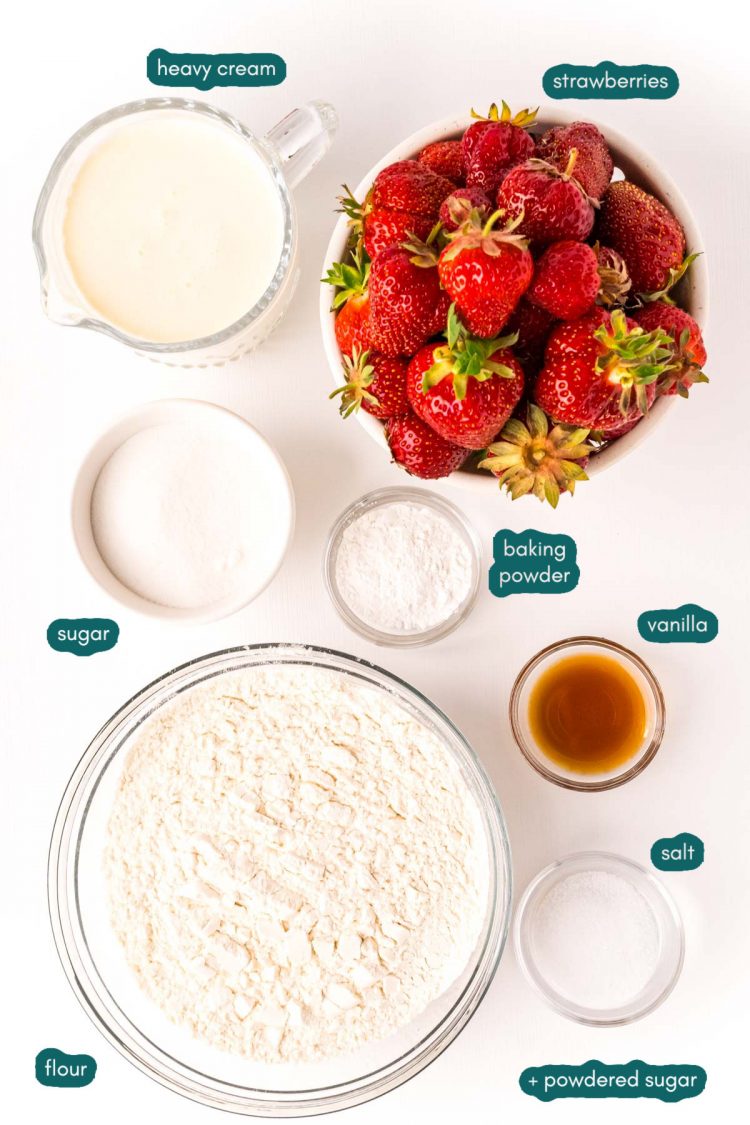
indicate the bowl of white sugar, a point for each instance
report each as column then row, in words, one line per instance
column 279, row 881
column 182, row 510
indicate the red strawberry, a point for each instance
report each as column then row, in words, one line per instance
column 620, row 427
column 494, row 144
column 529, row 459
column 446, row 158
column 404, row 200
column 571, row 276
column 594, row 164
column 421, row 451
column 408, row 185
column 550, row 204
column 533, row 326
column 644, row 231
column 457, row 208
column 383, row 228
column 407, row 304
column 465, row 390
column 600, row 371
column 352, row 325
column 566, row 280
column 375, row 382
column 676, row 275
column 690, row 351
column 486, row 272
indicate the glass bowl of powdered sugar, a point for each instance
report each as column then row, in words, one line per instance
column 599, row 938
column 402, row 566
column 279, row 881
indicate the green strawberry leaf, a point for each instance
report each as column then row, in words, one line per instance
column 551, row 492
column 675, row 275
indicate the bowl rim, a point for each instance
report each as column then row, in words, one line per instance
column 637, row 874
column 77, row 962
column 549, row 115
column 398, row 494
column 104, row 446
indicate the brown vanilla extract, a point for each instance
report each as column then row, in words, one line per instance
column 587, row 714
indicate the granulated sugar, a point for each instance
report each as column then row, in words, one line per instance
column 186, row 514
column 403, row 568
column 295, row 864
column 596, row 939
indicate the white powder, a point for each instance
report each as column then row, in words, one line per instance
column 403, row 568
column 295, row 864
column 185, row 514
column 596, row 939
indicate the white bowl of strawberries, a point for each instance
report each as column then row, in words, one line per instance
column 515, row 298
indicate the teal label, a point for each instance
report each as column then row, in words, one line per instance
column 203, row 72
column 594, row 1079
column 608, row 80
column 684, row 852
column 688, row 624
column 83, row 636
column 55, row 1068
column 532, row 562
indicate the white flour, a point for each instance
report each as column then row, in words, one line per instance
column 403, row 568
column 295, row 865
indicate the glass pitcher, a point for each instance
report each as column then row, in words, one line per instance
column 288, row 152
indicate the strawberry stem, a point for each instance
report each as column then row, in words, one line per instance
column 349, row 278
column 474, row 234
column 536, row 164
column 490, row 223
column 614, row 279
column 359, row 375
column 573, row 157
column 466, row 357
column 633, row 358
column 532, row 459
column 523, row 119
column 424, row 253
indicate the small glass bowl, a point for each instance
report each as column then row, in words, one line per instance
column 384, row 497
column 666, row 915
column 652, row 697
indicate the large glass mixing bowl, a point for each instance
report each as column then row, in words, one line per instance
column 106, row 987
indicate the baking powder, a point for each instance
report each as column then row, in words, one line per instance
column 403, row 568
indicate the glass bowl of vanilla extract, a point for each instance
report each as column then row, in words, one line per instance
column 587, row 713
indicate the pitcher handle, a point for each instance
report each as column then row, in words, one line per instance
column 302, row 138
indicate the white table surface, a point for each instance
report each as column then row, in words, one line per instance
column 664, row 527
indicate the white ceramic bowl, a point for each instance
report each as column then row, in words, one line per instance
column 633, row 163
column 151, row 414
